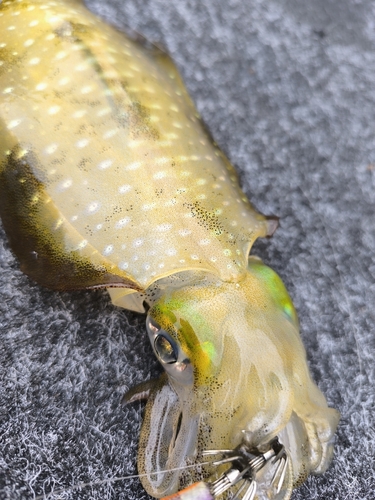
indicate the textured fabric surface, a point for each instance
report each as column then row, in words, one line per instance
column 287, row 90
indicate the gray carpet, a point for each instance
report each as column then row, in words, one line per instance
column 287, row 89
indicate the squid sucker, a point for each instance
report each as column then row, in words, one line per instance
column 109, row 179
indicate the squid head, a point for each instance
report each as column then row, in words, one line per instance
column 236, row 375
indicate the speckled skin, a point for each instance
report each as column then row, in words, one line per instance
column 108, row 178
column 131, row 182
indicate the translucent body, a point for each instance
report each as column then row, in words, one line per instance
column 108, row 178
column 251, row 380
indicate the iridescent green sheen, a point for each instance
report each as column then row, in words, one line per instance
column 276, row 288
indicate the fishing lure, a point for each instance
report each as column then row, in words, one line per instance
column 109, row 179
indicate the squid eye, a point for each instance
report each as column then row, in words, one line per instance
column 165, row 349
column 169, row 352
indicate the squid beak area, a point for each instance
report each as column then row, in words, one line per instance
column 168, row 439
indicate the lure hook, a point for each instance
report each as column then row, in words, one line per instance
column 245, row 464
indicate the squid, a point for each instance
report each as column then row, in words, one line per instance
column 110, row 180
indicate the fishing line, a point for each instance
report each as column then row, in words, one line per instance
column 79, row 486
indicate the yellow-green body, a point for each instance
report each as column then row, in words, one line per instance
column 109, row 179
